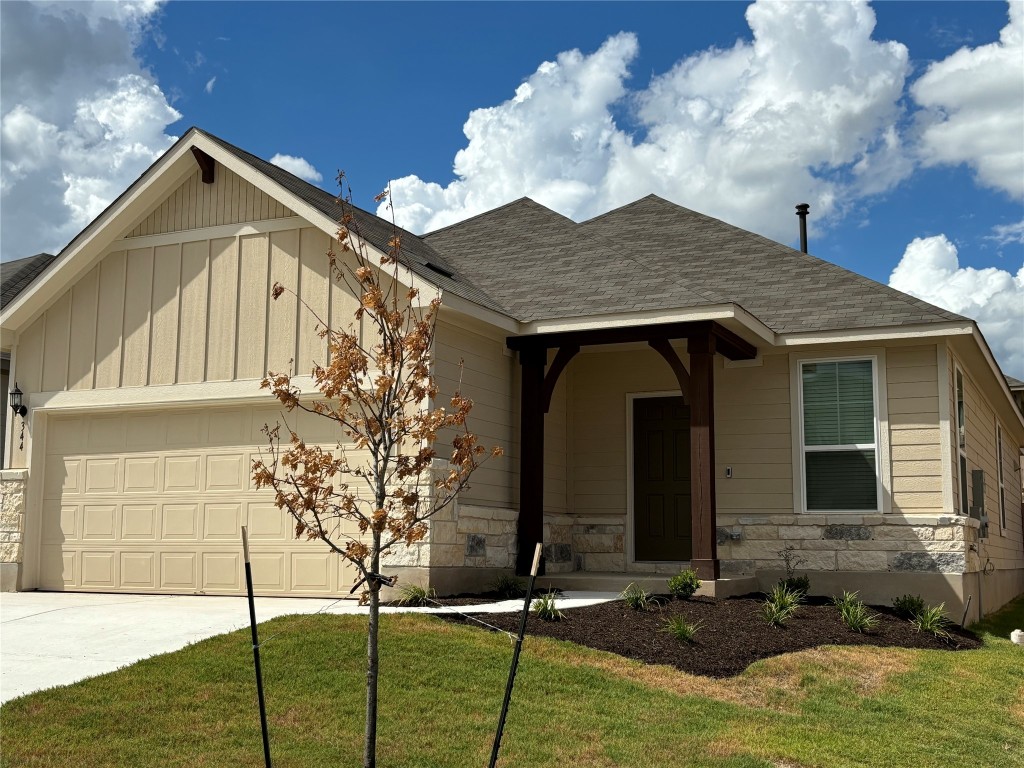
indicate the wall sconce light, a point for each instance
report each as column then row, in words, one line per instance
column 14, row 397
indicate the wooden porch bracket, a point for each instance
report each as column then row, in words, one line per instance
column 206, row 164
column 565, row 354
column 703, row 520
column 664, row 348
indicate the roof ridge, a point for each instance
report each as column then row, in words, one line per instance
column 474, row 217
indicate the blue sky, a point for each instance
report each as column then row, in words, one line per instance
column 734, row 110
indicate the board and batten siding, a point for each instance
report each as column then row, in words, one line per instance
column 192, row 311
column 230, row 199
column 915, row 430
column 486, row 379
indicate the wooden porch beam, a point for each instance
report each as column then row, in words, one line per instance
column 530, row 525
column 728, row 343
column 565, row 354
column 702, row 456
column 667, row 351
column 206, row 164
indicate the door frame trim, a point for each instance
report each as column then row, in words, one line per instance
column 630, row 532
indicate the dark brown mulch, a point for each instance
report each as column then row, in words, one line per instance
column 734, row 632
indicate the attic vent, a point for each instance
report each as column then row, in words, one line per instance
column 440, row 270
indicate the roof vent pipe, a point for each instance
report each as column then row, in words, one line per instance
column 801, row 211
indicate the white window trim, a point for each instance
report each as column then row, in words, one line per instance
column 883, row 462
column 960, row 438
column 630, row 532
column 1000, row 478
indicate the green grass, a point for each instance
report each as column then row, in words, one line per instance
column 572, row 706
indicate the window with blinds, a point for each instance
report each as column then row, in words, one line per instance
column 839, row 435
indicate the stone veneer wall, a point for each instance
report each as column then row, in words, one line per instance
column 12, row 526
column 879, row 543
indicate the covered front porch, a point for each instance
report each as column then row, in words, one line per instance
column 617, row 449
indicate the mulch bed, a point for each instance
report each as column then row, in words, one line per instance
column 734, row 632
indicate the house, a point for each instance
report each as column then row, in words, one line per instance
column 670, row 390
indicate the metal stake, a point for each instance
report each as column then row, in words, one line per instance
column 256, row 649
column 515, row 656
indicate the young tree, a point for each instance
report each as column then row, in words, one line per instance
column 381, row 476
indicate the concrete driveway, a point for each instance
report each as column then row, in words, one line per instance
column 58, row 638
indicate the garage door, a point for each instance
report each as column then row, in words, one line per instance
column 154, row 502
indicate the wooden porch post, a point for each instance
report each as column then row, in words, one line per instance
column 702, row 455
column 531, row 457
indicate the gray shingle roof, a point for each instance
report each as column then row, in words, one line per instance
column 15, row 276
column 1013, row 383
column 653, row 254
column 416, row 254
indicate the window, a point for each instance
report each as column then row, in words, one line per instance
column 961, row 432
column 839, row 428
column 999, row 476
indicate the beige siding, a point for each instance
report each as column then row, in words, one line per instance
column 487, row 381
column 913, row 401
column 1004, row 546
column 186, row 312
column 193, row 205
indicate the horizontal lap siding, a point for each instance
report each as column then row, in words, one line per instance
column 912, row 393
column 188, row 312
column 487, row 380
column 1004, row 546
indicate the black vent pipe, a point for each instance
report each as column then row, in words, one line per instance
column 801, row 211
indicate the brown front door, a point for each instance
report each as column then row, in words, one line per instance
column 661, row 479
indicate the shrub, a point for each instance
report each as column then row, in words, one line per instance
column 681, row 629
column 509, row 587
column 684, row 584
column 801, row 584
column 545, row 608
column 637, row 598
column 780, row 605
column 933, row 619
column 415, row 596
column 909, row 606
column 854, row 613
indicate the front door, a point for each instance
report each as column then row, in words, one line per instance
column 661, row 479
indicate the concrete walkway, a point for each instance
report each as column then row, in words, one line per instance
column 57, row 638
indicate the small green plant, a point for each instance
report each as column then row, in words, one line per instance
column 681, row 629
column 933, row 619
column 909, row 606
column 413, row 595
column 684, row 584
column 509, row 587
column 546, row 609
column 801, row 584
column 780, row 605
column 792, row 560
column 637, row 598
column 854, row 613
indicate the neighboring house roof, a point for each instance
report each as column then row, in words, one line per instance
column 18, row 274
column 1014, row 384
column 653, row 254
column 418, row 255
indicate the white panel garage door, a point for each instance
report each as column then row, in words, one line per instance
column 155, row 501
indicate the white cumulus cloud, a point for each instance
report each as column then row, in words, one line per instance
column 930, row 269
column 81, row 118
column 974, row 102
column 803, row 113
column 209, row 84
column 298, row 166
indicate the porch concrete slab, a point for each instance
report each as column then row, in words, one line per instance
column 58, row 638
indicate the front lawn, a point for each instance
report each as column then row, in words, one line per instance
column 441, row 691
